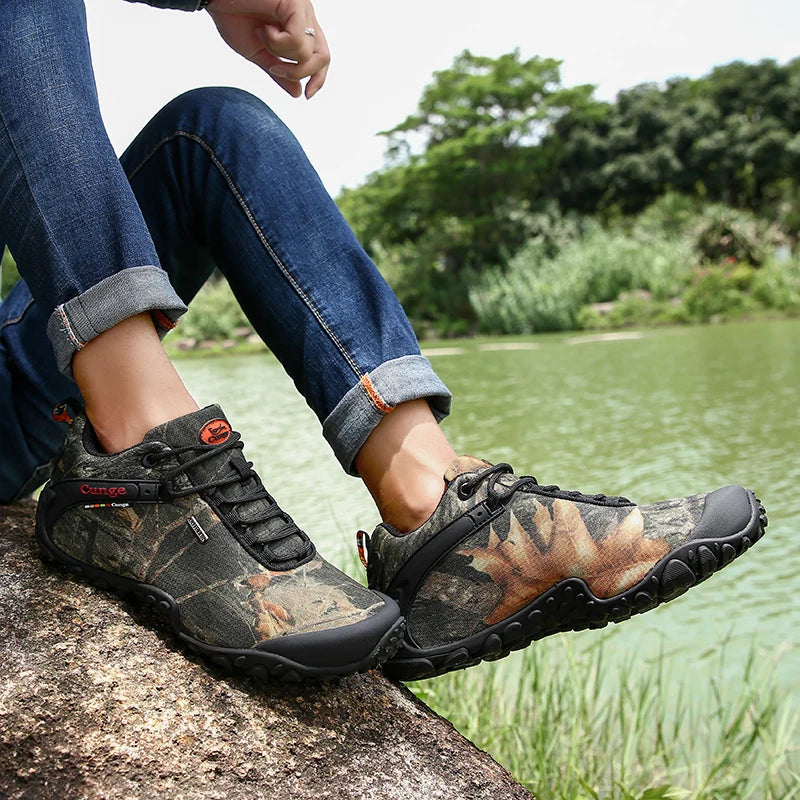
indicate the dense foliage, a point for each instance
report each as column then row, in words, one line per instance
column 676, row 262
column 498, row 169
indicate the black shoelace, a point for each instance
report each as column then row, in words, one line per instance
column 468, row 487
column 249, row 488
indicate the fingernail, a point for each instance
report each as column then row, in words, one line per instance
column 278, row 72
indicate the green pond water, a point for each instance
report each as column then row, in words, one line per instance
column 648, row 414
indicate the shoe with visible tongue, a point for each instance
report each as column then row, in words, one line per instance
column 183, row 522
column 503, row 561
column 237, row 491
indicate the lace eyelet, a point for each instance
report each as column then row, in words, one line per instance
column 149, row 460
column 465, row 490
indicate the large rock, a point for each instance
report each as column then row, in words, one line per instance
column 94, row 705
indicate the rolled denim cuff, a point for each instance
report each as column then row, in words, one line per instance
column 124, row 294
column 397, row 381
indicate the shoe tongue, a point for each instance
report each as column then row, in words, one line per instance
column 205, row 426
column 209, row 425
column 464, row 464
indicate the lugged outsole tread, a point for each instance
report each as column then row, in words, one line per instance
column 257, row 664
column 571, row 606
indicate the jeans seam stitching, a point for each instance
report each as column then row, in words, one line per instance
column 367, row 387
column 79, row 345
column 19, row 318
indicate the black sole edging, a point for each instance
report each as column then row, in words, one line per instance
column 258, row 664
column 571, row 606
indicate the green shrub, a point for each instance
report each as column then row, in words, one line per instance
column 671, row 215
column 724, row 234
column 571, row 728
column 541, row 293
column 715, row 294
column 213, row 314
column 742, row 276
column 777, row 284
column 631, row 310
column 432, row 292
column 523, row 302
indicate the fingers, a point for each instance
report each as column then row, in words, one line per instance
column 310, row 60
column 295, row 69
column 273, row 66
column 310, row 53
column 296, row 72
column 287, row 43
column 292, row 43
column 316, row 82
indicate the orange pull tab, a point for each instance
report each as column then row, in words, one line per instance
column 362, row 540
column 61, row 413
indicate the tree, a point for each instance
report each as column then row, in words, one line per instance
column 462, row 171
column 497, row 143
column 729, row 136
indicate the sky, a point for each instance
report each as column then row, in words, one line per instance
column 383, row 54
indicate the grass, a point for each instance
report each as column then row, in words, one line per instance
column 540, row 292
column 570, row 727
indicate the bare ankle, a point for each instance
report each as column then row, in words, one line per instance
column 118, row 431
column 407, row 511
column 129, row 383
column 402, row 464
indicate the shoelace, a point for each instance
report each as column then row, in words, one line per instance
column 468, row 487
column 240, row 472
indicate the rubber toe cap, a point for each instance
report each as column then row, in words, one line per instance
column 728, row 511
column 337, row 646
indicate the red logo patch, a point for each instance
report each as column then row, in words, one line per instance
column 214, row 432
column 109, row 491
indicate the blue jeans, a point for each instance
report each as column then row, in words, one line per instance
column 214, row 180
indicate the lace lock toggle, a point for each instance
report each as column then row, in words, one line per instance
column 362, row 542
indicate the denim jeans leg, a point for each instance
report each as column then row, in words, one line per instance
column 66, row 210
column 30, row 385
column 222, row 181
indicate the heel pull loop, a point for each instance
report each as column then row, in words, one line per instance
column 362, row 541
column 66, row 410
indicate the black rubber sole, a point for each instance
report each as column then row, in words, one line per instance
column 571, row 606
column 258, row 664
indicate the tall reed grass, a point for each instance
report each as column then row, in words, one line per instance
column 571, row 726
column 539, row 292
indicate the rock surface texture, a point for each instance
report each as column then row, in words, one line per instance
column 94, row 705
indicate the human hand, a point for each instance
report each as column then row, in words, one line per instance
column 276, row 35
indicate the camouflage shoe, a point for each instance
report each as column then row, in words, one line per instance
column 183, row 523
column 503, row 561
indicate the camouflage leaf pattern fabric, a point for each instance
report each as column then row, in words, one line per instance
column 536, row 542
column 225, row 596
